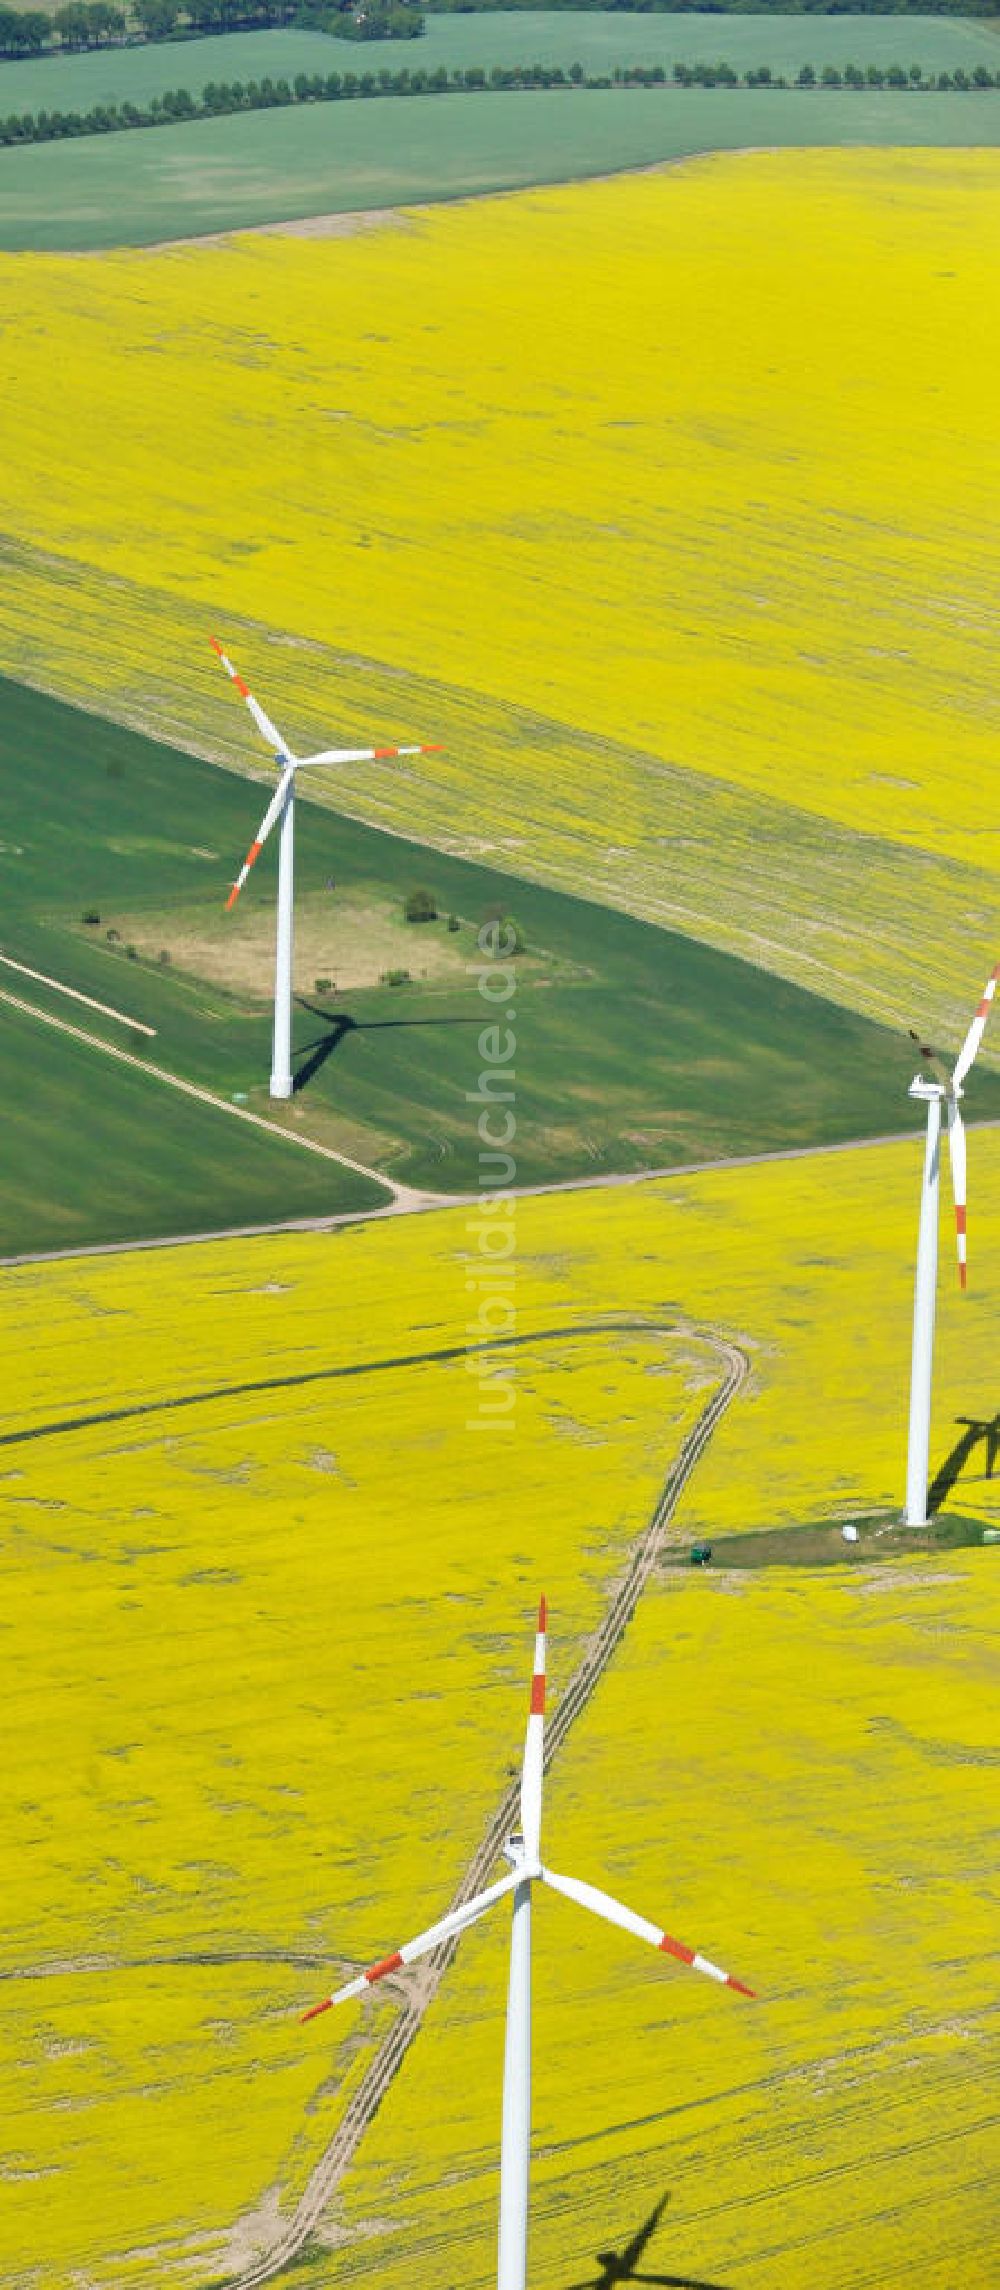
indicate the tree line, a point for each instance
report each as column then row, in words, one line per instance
column 728, row 7
column 83, row 24
column 222, row 96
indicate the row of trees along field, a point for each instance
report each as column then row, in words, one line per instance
column 727, row 7
column 335, row 87
column 82, row 24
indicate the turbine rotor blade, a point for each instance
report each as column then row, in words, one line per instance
column 271, row 814
column 446, row 1928
column 614, row 1912
column 534, row 1746
column 279, row 747
column 959, row 1166
column 366, row 754
column 970, row 1047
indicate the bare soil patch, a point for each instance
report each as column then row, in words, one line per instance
column 351, row 941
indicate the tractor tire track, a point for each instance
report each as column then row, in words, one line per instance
column 387, row 2060
column 60, row 1426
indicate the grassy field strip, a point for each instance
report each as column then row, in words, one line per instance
column 699, row 856
column 762, row 582
column 636, row 1048
column 598, row 41
column 202, row 1096
column 320, row 160
column 107, row 1150
column 370, row 2094
column 74, row 994
column 430, row 1203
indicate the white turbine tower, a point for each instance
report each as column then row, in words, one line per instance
column 282, row 807
column 522, row 1851
column 940, row 1096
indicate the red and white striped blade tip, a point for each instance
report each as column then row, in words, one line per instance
column 382, row 754
column 228, row 666
column 971, row 1046
column 699, row 1963
column 315, row 2009
column 537, row 1703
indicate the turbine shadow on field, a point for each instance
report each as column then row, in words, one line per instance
column 313, row 1055
column 979, row 1429
column 627, row 2265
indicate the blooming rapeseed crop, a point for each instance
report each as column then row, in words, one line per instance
column 811, row 1781
column 665, row 502
column 216, row 1611
column 270, row 1682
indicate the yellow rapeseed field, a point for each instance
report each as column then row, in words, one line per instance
column 812, row 1767
column 666, row 502
column 258, row 1640
column 272, row 1647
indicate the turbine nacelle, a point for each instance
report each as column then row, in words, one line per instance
column 288, row 764
column 520, row 1851
column 515, row 1851
column 926, row 1090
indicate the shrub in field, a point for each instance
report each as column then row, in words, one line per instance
column 510, row 935
column 90, row 916
column 420, row 906
column 395, row 978
column 323, row 985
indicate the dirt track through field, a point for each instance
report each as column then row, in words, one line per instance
column 391, row 2052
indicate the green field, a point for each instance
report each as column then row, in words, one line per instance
column 96, row 1151
column 278, row 166
column 598, row 41
column 635, row 1047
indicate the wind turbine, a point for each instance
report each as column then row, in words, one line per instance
column 282, row 807
column 941, row 1096
column 522, row 1851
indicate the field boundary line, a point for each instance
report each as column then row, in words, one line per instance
column 107, row 1009
column 410, row 1200
column 625, row 1595
column 204, row 1096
